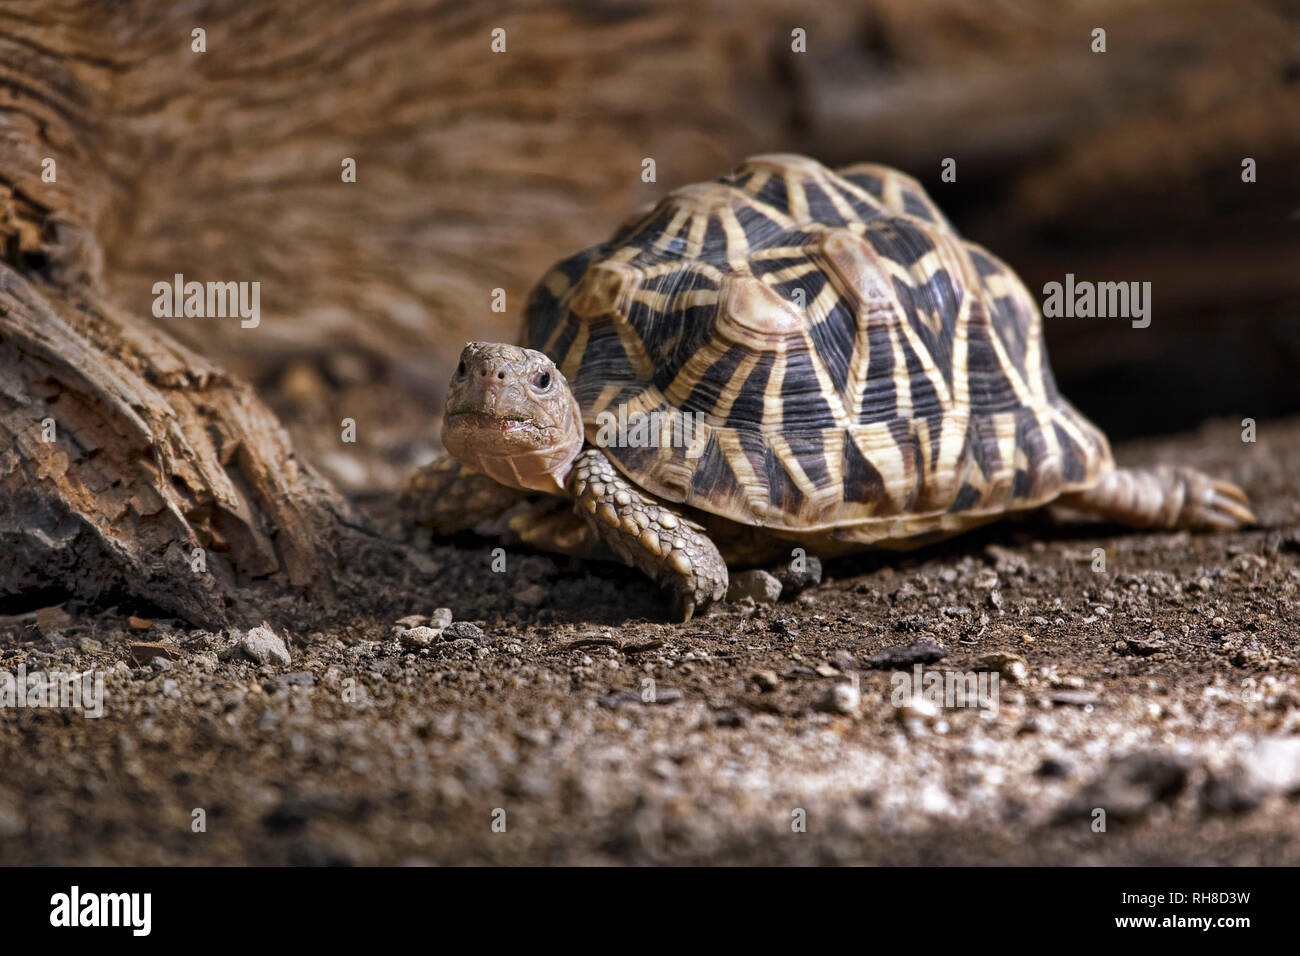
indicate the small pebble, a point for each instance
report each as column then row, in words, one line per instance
column 1054, row 768
column 419, row 636
column 145, row 651
column 1142, row 646
column 464, row 630
column 917, row 709
column 839, row 699
column 925, row 651
column 1013, row 667
column 757, row 584
column 264, row 646
column 795, row 579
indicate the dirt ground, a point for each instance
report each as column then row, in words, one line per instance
column 1161, row 691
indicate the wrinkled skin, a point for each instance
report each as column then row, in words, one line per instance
column 511, row 416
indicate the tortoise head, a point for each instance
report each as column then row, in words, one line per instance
column 511, row 415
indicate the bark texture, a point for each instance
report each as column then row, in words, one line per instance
column 131, row 466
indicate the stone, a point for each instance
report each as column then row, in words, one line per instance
column 420, row 636
column 52, row 619
column 1054, row 768
column 917, row 710
column 839, row 699
column 1142, row 646
column 1073, row 698
column 1011, row 667
column 145, row 651
column 464, row 630
column 759, row 585
column 795, row 579
column 925, row 651
column 263, row 646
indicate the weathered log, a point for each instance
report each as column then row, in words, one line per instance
column 131, row 466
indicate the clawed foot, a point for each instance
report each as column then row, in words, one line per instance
column 1166, row 497
column 693, row 591
column 1215, row 504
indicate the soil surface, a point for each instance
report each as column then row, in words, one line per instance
column 1146, row 711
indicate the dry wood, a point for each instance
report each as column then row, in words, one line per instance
column 129, row 465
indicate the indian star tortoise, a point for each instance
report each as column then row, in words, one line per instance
column 787, row 357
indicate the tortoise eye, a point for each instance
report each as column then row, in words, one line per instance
column 542, row 381
column 460, row 369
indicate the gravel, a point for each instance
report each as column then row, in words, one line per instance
column 366, row 750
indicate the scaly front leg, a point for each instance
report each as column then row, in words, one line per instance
column 649, row 535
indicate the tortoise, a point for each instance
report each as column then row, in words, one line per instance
column 786, row 357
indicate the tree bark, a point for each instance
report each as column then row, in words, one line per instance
column 131, row 466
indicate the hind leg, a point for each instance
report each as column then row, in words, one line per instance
column 448, row 498
column 1165, row 497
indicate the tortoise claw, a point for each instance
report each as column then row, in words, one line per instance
column 691, row 596
column 1224, row 507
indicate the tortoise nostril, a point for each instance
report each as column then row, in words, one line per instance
column 501, row 375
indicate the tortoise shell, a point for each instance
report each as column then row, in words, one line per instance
column 824, row 353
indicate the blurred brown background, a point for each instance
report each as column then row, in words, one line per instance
column 476, row 170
